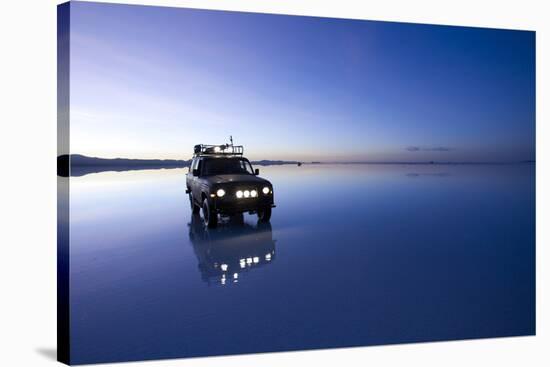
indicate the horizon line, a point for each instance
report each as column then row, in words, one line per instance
column 294, row 161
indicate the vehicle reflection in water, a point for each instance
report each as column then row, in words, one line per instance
column 233, row 248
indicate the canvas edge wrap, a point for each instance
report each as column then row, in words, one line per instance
column 63, row 177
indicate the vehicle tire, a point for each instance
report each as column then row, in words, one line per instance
column 194, row 208
column 264, row 214
column 210, row 219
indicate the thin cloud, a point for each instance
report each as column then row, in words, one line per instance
column 428, row 149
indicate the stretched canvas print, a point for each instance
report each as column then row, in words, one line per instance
column 240, row 183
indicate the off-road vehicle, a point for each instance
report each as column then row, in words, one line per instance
column 221, row 181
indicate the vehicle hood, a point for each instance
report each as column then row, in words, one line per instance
column 237, row 180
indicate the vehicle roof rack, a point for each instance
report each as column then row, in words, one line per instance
column 219, row 150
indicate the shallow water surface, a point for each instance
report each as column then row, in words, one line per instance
column 354, row 255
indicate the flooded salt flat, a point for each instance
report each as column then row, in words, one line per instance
column 354, row 255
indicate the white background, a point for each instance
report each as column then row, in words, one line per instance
column 28, row 182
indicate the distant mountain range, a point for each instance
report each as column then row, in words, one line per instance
column 82, row 165
column 82, row 160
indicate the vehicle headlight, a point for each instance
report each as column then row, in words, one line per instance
column 265, row 190
column 220, row 192
column 246, row 193
column 239, row 194
column 253, row 193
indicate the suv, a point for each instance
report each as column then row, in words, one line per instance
column 221, row 181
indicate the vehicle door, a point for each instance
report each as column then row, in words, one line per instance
column 196, row 186
column 189, row 175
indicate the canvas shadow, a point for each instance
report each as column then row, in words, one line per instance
column 48, row 353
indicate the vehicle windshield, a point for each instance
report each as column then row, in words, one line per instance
column 226, row 166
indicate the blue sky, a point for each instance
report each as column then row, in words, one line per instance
column 150, row 82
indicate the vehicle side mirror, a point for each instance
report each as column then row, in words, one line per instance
column 257, row 171
column 196, row 172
